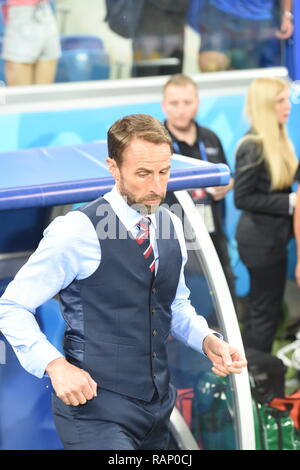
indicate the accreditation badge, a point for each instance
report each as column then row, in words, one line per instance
column 206, row 213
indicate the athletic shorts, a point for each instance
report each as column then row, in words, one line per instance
column 221, row 31
column 247, row 42
column 31, row 34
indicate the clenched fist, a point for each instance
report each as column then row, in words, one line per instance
column 71, row 384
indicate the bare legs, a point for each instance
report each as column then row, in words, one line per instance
column 40, row 73
column 213, row 61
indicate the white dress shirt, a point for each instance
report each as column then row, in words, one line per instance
column 70, row 250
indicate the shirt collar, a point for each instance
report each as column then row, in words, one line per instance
column 128, row 216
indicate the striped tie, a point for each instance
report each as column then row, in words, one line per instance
column 143, row 239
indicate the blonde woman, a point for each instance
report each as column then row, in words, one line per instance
column 266, row 166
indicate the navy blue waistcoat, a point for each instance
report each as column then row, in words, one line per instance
column 118, row 319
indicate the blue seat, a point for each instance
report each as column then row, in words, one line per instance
column 83, row 58
column 81, row 65
column 70, row 42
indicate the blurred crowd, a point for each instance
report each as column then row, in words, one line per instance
column 158, row 35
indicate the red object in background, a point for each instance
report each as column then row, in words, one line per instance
column 4, row 12
column 291, row 403
column 198, row 193
column 184, row 404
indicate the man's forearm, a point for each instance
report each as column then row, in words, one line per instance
column 22, row 331
column 287, row 5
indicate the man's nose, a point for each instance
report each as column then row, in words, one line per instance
column 157, row 184
column 181, row 108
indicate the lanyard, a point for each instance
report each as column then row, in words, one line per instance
column 201, row 147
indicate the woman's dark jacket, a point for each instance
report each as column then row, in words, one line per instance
column 265, row 225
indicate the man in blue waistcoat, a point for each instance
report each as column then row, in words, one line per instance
column 118, row 265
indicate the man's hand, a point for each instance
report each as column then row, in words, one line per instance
column 286, row 28
column 225, row 358
column 219, row 192
column 72, row 385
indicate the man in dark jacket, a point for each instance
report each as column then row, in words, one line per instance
column 121, row 297
column 180, row 104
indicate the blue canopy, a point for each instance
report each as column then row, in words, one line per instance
column 66, row 175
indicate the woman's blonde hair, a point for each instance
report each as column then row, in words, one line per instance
column 278, row 152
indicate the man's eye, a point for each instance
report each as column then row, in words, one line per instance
column 142, row 175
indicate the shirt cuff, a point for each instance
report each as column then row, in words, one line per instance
column 197, row 336
column 218, row 335
column 38, row 357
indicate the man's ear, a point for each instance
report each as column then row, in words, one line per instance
column 113, row 167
